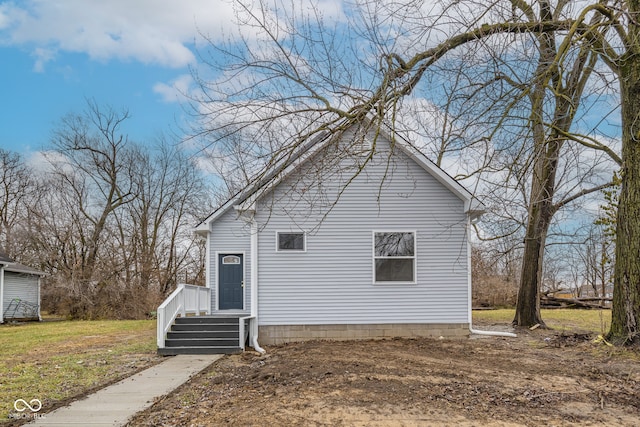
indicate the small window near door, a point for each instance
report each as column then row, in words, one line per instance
column 290, row 242
column 231, row 259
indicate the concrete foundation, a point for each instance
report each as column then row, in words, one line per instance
column 280, row 334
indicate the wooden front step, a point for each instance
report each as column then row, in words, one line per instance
column 190, row 334
column 203, row 335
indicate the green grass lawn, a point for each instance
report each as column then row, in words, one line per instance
column 53, row 361
column 596, row 321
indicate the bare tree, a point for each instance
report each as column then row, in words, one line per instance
column 170, row 195
column 598, row 266
column 17, row 193
column 494, row 279
column 589, row 25
column 109, row 220
column 298, row 90
column 94, row 162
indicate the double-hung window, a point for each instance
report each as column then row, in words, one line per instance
column 394, row 256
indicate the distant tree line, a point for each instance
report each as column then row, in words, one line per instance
column 108, row 219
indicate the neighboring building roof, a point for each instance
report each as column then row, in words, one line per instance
column 290, row 162
column 4, row 258
column 16, row 267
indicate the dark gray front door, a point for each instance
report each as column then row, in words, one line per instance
column 230, row 281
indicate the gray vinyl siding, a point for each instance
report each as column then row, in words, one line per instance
column 229, row 235
column 332, row 282
column 20, row 286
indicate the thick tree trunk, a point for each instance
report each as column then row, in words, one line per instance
column 528, row 303
column 548, row 142
column 625, row 322
column 542, row 190
column 541, row 211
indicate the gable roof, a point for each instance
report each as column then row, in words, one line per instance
column 473, row 206
column 282, row 167
column 288, row 164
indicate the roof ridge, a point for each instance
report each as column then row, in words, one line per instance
column 290, row 157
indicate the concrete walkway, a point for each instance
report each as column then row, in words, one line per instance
column 114, row 405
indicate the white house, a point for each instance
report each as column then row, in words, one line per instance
column 19, row 291
column 344, row 240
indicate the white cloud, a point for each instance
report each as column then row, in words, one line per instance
column 43, row 162
column 4, row 18
column 176, row 90
column 42, row 56
column 149, row 31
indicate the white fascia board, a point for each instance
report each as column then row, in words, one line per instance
column 246, row 200
column 203, row 228
column 472, row 206
column 249, row 204
column 451, row 184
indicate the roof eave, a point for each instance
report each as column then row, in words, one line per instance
column 439, row 174
column 23, row 269
column 203, row 228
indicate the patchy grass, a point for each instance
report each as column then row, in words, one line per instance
column 55, row 361
column 596, row 321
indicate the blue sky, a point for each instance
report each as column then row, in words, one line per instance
column 119, row 53
column 34, row 102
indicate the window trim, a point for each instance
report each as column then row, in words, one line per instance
column 374, row 257
column 287, row 251
column 234, row 256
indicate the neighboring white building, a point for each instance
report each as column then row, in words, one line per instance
column 19, row 291
column 307, row 257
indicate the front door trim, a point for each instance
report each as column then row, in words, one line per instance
column 244, row 277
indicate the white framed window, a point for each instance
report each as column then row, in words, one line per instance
column 394, row 257
column 289, row 241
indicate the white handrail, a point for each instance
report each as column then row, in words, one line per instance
column 186, row 299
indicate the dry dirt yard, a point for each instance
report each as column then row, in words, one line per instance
column 540, row 378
